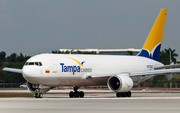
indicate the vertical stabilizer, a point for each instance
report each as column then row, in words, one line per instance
column 152, row 46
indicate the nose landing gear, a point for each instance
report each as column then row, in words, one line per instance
column 76, row 93
column 38, row 94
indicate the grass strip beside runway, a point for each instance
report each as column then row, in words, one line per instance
column 3, row 95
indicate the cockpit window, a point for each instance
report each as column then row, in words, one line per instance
column 26, row 63
column 36, row 63
column 33, row 63
column 40, row 64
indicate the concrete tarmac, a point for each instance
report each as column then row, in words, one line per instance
column 94, row 103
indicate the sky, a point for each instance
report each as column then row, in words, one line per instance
column 40, row 26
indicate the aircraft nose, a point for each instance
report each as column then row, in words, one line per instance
column 27, row 72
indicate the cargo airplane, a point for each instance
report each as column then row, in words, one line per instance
column 119, row 73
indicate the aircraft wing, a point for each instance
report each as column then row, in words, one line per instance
column 12, row 70
column 167, row 66
column 156, row 72
column 153, row 72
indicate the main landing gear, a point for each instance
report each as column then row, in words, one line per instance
column 38, row 94
column 123, row 94
column 76, row 93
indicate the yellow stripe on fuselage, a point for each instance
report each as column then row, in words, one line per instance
column 156, row 34
column 75, row 60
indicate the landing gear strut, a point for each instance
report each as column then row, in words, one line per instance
column 38, row 94
column 76, row 93
column 125, row 94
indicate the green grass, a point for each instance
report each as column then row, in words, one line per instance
column 3, row 95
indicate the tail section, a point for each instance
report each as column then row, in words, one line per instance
column 152, row 46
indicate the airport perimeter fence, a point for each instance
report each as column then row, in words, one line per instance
column 139, row 87
column 158, row 86
column 10, row 85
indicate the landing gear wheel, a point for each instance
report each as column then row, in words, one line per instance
column 71, row 94
column 36, row 95
column 123, row 94
column 76, row 93
column 40, row 95
column 128, row 94
column 118, row 94
column 81, row 94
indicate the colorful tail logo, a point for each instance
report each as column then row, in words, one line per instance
column 152, row 46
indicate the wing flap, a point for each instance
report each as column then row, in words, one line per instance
column 12, row 70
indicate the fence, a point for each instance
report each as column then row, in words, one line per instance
column 172, row 86
column 10, row 85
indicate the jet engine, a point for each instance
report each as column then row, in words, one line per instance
column 33, row 87
column 120, row 83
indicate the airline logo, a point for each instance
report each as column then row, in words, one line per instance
column 127, row 85
column 152, row 46
column 75, row 68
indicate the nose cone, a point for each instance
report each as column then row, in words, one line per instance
column 27, row 72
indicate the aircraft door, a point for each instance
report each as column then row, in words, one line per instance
column 53, row 66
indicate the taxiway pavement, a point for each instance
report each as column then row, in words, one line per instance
column 101, row 102
column 90, row 105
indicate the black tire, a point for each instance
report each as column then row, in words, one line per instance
column 118, row 94
column 76, row 94
column 40, row 95
column 36, row 95
column 71, row 94
column 128, row 94
column 123, row 94
column 81, row 94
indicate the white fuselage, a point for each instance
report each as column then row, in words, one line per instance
column 71, row 69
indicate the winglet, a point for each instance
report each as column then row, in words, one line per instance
column 152, row 46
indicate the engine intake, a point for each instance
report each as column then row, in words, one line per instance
column 120, row 83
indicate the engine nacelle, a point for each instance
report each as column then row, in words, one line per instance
column 120, row 83
column 32, row 87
